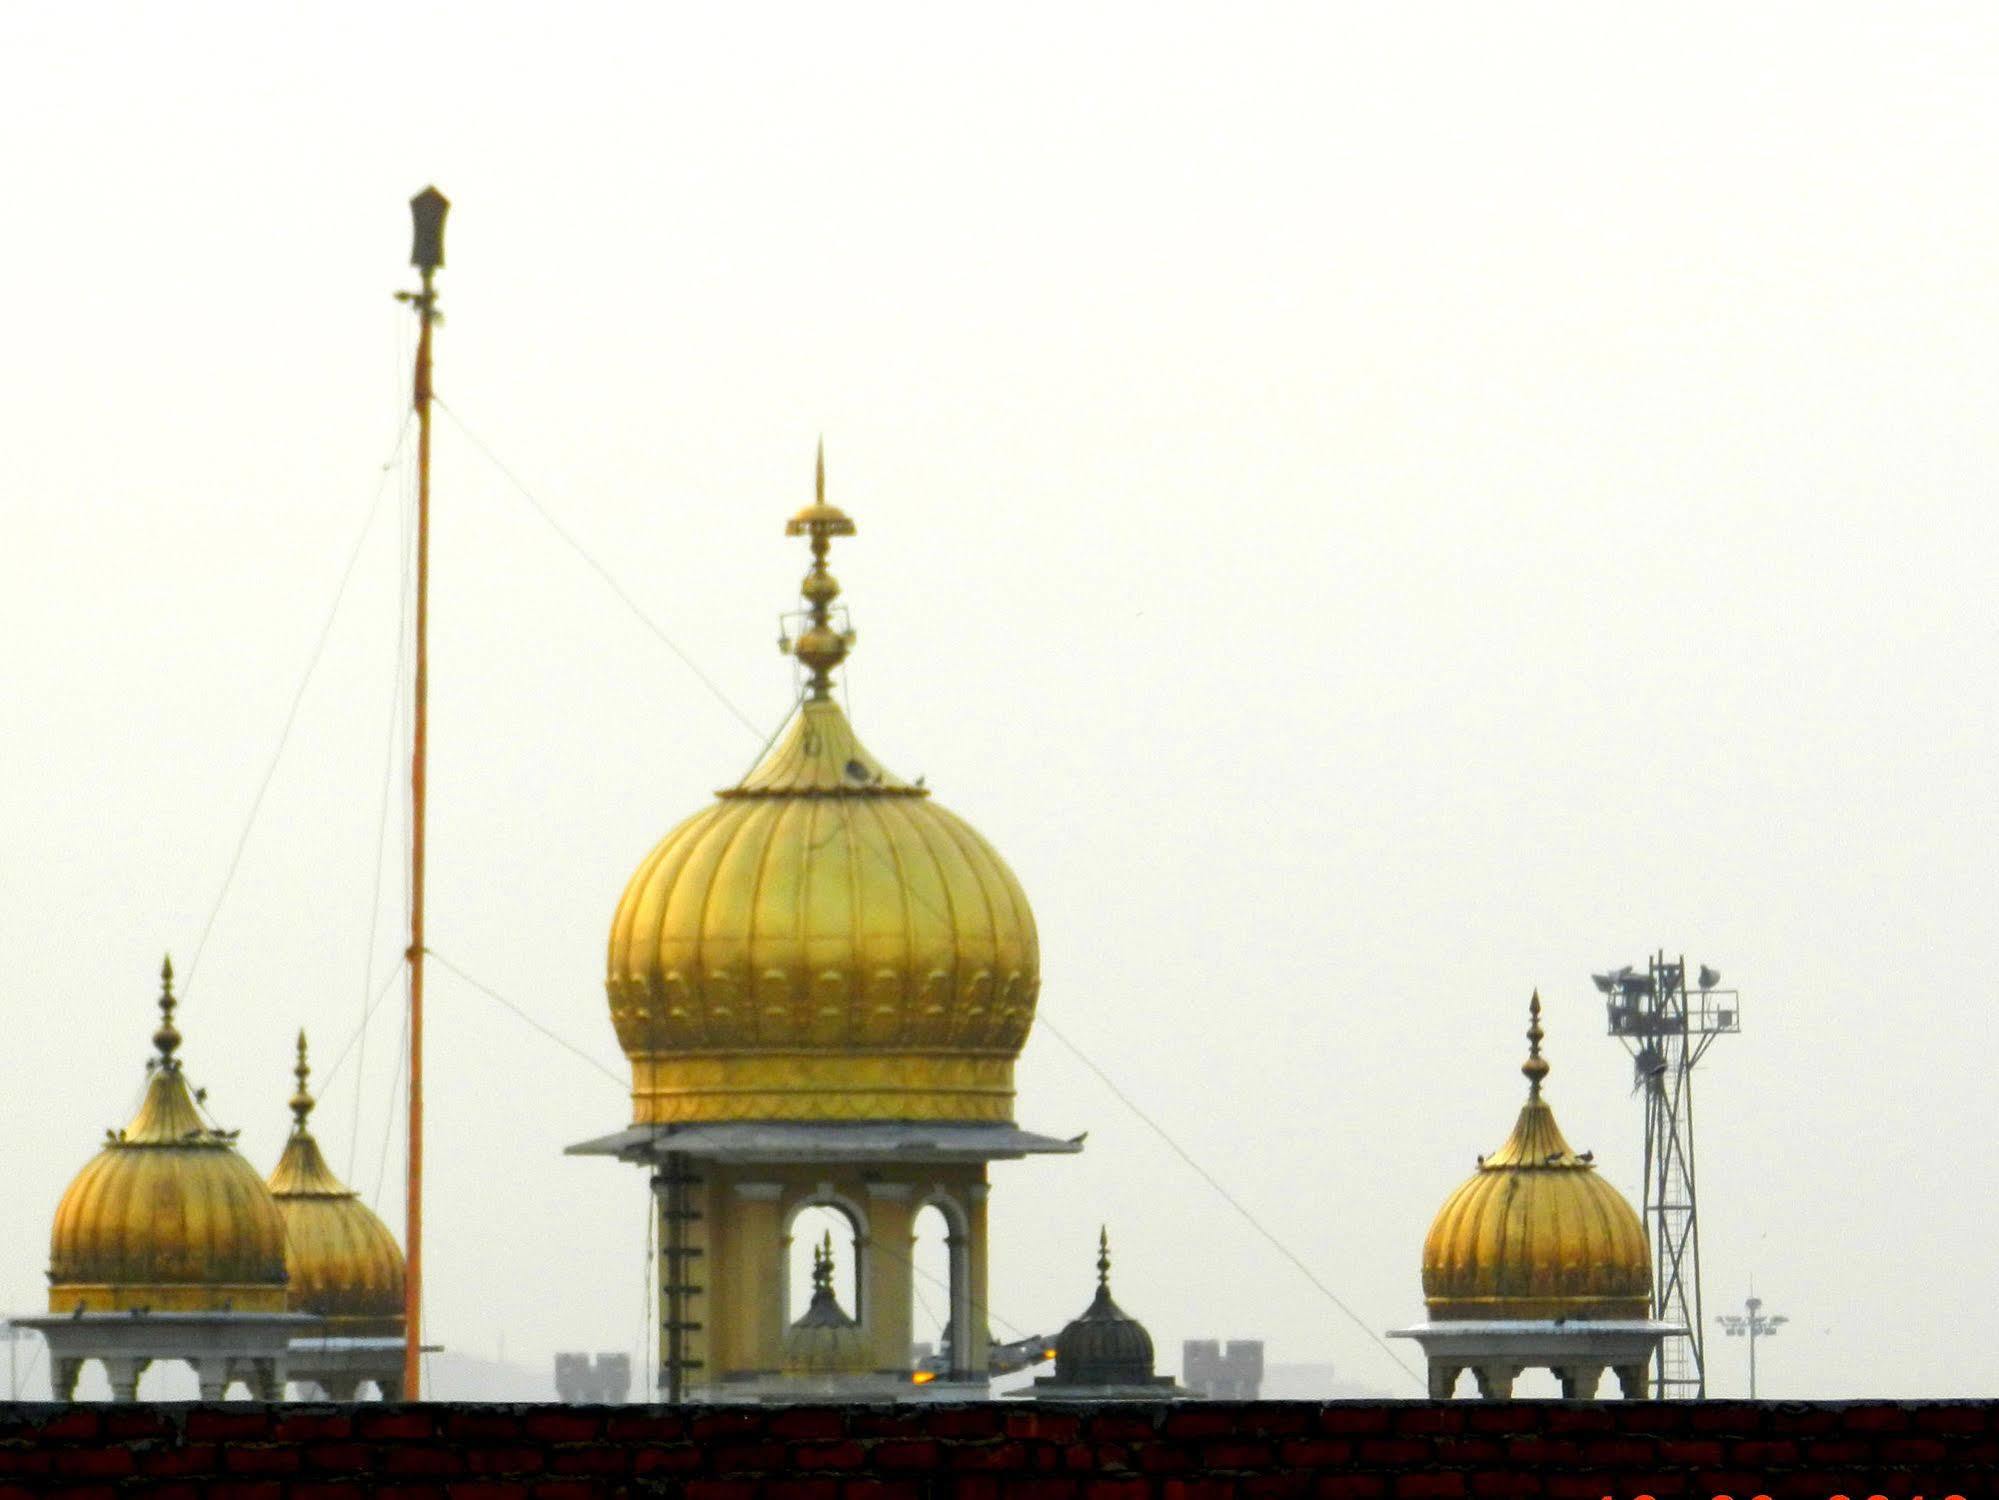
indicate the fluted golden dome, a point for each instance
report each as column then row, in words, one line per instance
column 1536, row 1233
column 825, row 942
column 824, row 1340
column 168, row 1216
column 343, row 1263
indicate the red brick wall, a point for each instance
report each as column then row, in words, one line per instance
column 1197, row 1451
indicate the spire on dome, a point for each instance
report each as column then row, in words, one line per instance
column 1104, row 1256
column 1536, row 1066
column 302, row 1100
column 1536, row 1141
column 302, row 1171
column 167, row 1038
column 821, row 648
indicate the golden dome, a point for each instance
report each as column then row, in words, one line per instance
column 168, row 1216
column 824, row 1340
column 825, row 942
column 343, row 1262
column 1536, row 1233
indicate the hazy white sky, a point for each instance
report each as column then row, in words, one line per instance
column 1371, row 511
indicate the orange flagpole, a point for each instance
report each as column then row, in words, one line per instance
column 427, row 212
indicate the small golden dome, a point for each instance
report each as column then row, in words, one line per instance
column 824, row 1340
column 825, row 942
column 1536, row 1233
column 343, row 1262
column 168, row 1216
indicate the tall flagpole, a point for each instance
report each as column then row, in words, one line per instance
column 427, row 210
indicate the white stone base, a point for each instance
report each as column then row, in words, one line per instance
column 1577, row 1350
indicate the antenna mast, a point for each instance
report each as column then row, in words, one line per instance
column 1667, row 1028
column 427, row 210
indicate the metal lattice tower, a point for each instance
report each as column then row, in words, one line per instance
column 1667, row 1028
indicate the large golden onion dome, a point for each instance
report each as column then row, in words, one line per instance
column 168, row 1216
column 825, row 942
column 343, row 1262
column 1536, row 1233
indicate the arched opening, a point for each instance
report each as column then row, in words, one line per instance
column 931, row 1325
column 171, row 1380
column 941, row 1312
column 1537, row 1383
column 816, row 1230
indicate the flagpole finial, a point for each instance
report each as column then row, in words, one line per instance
column 427, row 211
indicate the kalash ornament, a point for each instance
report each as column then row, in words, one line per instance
column 822, row 982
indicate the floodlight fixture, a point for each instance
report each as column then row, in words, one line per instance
column 1751, row 1324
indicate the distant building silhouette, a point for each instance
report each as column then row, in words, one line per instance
column 603, row 1381
column 1217, row 1372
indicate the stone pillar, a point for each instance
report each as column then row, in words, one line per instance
column 213, row 1375
column 1495, row 1379
column 750, row 1273
column 977, row 1346
column 1579, row 1381
column 1444, row 1380
column 124, row 1371
column 390, row 1387
column 958, row 1253
column 267, row 1380
column 63, row 1374
column 1634, row 1381
column 891, row 1282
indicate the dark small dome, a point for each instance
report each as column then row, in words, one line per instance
column 1106, row 1345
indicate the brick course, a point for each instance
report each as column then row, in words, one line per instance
column 1415, row 1450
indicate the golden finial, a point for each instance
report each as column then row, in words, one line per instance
column 167, row 1039
column 1536, row 1066
column 302, row 1101
column 822, row 1266
column 1104, row 1256
column 820, row 646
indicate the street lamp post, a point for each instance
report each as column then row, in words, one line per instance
column 1752, row 1325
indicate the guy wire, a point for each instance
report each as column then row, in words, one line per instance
column 291, row 714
